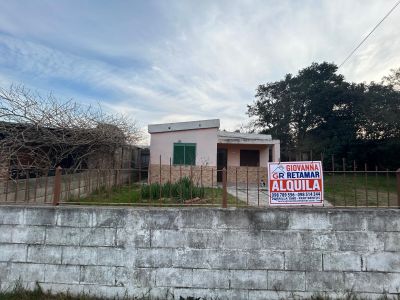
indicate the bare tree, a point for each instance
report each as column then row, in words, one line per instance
column 44, row 132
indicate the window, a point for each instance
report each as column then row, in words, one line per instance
column 249, row 158
column 184, row 154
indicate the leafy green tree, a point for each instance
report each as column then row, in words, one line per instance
column 317, row 110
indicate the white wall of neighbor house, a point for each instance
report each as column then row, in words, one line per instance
column 205, row 139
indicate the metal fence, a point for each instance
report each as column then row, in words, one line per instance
column 190, row 186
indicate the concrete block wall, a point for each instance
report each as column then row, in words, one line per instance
column 202, row 252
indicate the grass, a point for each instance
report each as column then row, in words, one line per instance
column 18, row 292
column 355, row 189
column 171, row 194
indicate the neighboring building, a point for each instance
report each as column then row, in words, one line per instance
column 199, row 146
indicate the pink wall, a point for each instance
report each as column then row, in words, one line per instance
column 205, row 139
column 234, row 153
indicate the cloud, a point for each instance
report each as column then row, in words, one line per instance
column 177, row 61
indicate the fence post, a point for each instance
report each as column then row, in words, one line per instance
column 224, row 189
column 57, row 186
column 398, row 186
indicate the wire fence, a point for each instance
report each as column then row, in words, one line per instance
column 171, row 185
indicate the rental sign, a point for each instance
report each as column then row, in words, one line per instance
column 295, row 183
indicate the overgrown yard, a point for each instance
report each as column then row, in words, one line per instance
column 357, row 189
column 183, row 192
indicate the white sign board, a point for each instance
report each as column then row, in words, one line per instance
column 295, row 183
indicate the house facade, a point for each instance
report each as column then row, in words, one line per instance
column 199, row 149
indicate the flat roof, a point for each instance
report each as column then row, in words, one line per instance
column 226, row 137
column 178, row 126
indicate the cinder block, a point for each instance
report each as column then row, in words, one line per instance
column 4, row 272
column 237, row 239
column 281, row 240
column 280, row 295
column 265, row 260
column 383, row 261
column 210, row 259
column 303, row 260
column 194, row 258
column 130, row 237
column 108, row 256
column 302, row 220
column 203, row 238
column 392, row 241
column 100, row 275
column 44, row 254
column 233, row 218
column 203, row 278
column 69, row 236
column 168, row 238
column 109, row 217
column 26, row 272
column 220, row 294
column 268, row 220
column 348, row 220
column 28, row 234
column 173, row 277
column 342, row 261
column 13, row 252
column 6, row 233
column 198, row 219
column 162, row 219
column 325, row 281
column 367, row 282
column 40, row 216
column 61, row 274
column 391, row 220
column 359, row 241
column 154, row 258
column 139, row 277
column 97, row 236
column 74, row 217
column 12, row 215
column 249, row 279
column 318, row 240
column 286, row 281
column 79, row 256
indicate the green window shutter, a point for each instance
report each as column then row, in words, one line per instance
column 179, row 154
column 190, row 154
column 184, row 154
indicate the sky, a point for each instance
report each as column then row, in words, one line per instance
column 170, row 61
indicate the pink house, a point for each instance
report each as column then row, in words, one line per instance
column 177, row 149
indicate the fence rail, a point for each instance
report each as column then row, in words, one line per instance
column 189, row 185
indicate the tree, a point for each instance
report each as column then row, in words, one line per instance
column 44, row 132
column 317, row 110
column 296, row 108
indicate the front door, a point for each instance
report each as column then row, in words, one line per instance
column 222, row 162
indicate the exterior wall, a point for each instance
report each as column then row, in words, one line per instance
column 244, row 175
column 205, row 139
column 201, row 252
column 201, row 175
column 234, row 153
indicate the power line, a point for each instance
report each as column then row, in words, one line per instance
column 364, row 39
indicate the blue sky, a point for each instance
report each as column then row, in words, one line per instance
column 165, row 61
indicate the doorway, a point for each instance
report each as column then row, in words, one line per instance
column 222, row 162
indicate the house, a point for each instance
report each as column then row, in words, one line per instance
column 199, row 149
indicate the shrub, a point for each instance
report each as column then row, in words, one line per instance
column 183, row 189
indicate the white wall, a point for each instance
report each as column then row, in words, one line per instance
column 205, row 140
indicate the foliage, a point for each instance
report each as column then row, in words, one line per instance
column 183, row 189
column 42, row 132
column 318, row 110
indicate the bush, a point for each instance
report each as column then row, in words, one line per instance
column 183, row 189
